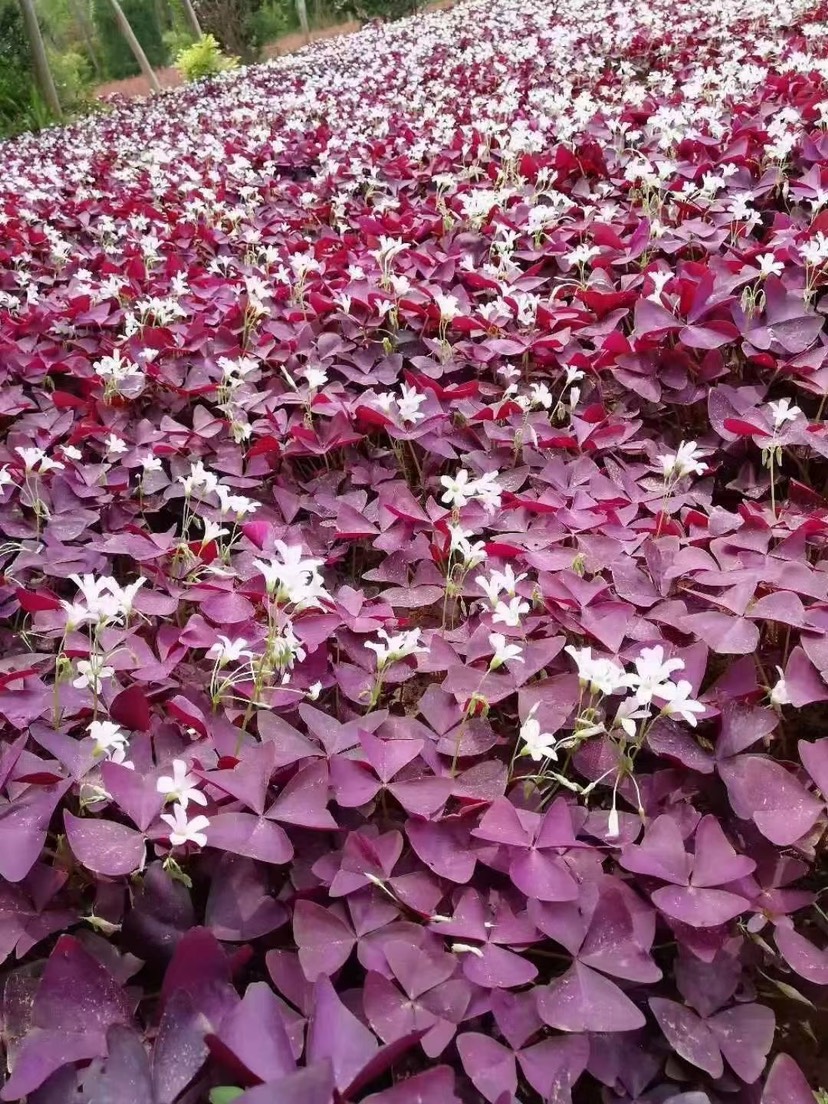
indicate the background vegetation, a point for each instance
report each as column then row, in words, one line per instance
column 84, row 46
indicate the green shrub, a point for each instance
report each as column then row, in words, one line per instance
column 274, row 19
column 117, row 56
column 377, row 9
column 203, row 59
column 177, row 40
column 72, row 75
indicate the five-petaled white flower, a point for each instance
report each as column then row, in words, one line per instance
column 409, row 404
column 504, row 652
column 769, row 266
column 107, row 736
column 601, row 675
column 316, row 378
column 539, row 745
column 185, row 831
column 291, row 578
column 395, row 647
column 685, row 461
column 114, row 445
column 652, row 673
column 678, row 701
column 92, row 672
column 459, row 489
column 783, row 411
column 181, row 786
column 510, row 613
column 226, row 651
column 35, row 459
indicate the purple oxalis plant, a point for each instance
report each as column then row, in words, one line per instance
column 413, row 606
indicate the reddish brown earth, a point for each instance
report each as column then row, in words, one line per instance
column 286, row 44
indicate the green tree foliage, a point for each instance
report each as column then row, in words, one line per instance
column 117, row 56
column 16, row 85
column 377, row 9
column 234, row 24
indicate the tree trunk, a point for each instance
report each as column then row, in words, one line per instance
column 40, row 62
column 192, row 18
column 85, row 28
column 302, row 12
column 135, row 46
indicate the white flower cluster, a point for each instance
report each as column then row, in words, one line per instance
column 462, row 488
column 291, row 579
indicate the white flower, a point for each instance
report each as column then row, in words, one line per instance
column 460, row 489
column 395, row 647
column 114, row 445
column 679, row 702
column 292, row 578
column 493, row 587
column 76, row 615
column 409, row 404
column 780, row 695
column 660, row 281
column 574, row 374
column 199, row 479
column 126, row 595
column 118, row 755
column 35, row 459
column 107, row 736
column 539, row 745
column 151, row 463
column 652, row 673
column 385, row 401
column 238, row 505
column 602, row 676
column 613, row 824
column 448, row 306
column 470, row 553
column 285, row 648
column 226, row 651
column 314, row 690
column 5, row 478
column 510, row 613
column 71, row 452
column 507, row 580
column 503, row 651
column 540, row 395
column 91, row 673
column 185, row 831
column 316, row 377
column 487, row 491
column 181, row 786
column 116, row 368
column 769, row 266
column 581, row 255
column 782, row 411
column 629, row 711
column 684, row 462
column 212, row 531
column 106, row 600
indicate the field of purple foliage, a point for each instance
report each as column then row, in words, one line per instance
column 414, row 571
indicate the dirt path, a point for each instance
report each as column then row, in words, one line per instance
column 286, row 44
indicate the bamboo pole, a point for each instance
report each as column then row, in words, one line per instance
column 135, row 46
column 40, row 60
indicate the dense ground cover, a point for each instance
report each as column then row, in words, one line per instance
column 414, row 584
